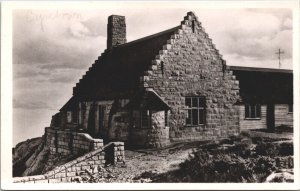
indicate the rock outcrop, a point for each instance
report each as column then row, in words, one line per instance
column 32, row 157
column 24, row 154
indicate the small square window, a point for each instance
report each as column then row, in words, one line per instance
column 252, row 111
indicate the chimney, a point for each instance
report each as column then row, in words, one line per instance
column 116, row 31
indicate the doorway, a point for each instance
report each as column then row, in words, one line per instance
column 91, row 121
column 101, row 112
column 271, row 117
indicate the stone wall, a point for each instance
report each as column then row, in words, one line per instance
column 119, row 129
column 158, row 136
column 116, row 30
column 190, row 65
column 64, row 142
column 119, row 152
column 91, row 161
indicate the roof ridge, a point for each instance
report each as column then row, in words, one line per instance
column 147, row 37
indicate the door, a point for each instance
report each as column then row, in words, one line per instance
column 271, row 117
column 101, row 112
column 91, row 121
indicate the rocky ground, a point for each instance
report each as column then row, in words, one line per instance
column 248, row 159
column 22, row 154
column 253, row 153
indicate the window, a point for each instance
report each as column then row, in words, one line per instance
column 145, row 116
column 166, row 118
column 193, row 26
column 69, row 116
column 252, row 111
column 75, row 116
column 196, row 113
column 291, row 108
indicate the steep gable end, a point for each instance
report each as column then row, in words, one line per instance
column 191, row 27
column 189, row 66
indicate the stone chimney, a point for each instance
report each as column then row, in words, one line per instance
column 116, row 31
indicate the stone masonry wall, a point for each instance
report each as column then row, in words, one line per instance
column 91, row 161
column 156, row 136
column 116, row 30
column 119, row 152
column 159, row 133
column 67, row 142
column 190, row 65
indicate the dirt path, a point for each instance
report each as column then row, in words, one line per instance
column 168, row 159
column 153, row 161
column 156, row 162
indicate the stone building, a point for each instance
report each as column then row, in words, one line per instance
column 168, row 87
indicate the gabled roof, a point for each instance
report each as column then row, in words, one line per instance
column 149, row 100
column 119, row 68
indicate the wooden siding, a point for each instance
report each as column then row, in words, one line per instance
column 282, row 115
column 253, row 123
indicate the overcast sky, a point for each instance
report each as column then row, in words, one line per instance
column 52, row 49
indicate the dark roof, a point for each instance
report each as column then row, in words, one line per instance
column 71, row 104
column 118, row 70
column 264, row 85
column 256, row 69
column 147, row 99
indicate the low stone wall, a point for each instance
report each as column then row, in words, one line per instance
column 119, row 152
column 64, row 142
column 90, row 161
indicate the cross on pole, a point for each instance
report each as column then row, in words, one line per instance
column 279, row 53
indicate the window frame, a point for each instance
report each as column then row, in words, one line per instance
column 74, row 117
column 69, row 118
column 257, row 112
column 166, row 118
column 148, row 114
column 200, row 107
